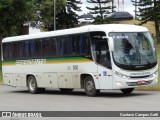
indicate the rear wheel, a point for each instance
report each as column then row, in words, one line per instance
column 90, row 88
column 32, row 85
column 66, row 89
column 127, row 91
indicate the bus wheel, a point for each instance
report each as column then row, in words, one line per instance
column 66, row 89
column 32, row 85
column 90, row 88
column 127, row 91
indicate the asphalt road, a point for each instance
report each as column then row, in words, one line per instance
column 19, row 99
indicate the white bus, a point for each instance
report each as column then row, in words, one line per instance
column 94, row 57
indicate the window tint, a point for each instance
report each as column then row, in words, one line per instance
column 10, row 54
column 15, row 50
column 100, row 49
column 78, row 44
column 5, row 51
column 31, row 49
column 38, row 48
column 62, row 45
column 46, row 47
column 83, row 44
column 72, row 45
column 54, row 48
column 20, row 50
column 26, row 49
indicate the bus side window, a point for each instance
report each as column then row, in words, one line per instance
column 38, row 47
column 71, row 45
column 65, row 45
column 15, row 50
column 5, row 51
column 10, row 52
column 100, row 49
column 58, row 45
column 54, row 48
column 74, row 45
column 83, row 44
column 77, row 44
column 31, row 49
column 46, row 47
column 62, row 44
column 26, row 49
column 20, row 50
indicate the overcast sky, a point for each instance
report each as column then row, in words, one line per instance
column 127, row 6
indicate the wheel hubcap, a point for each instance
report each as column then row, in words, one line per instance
column 32, row 84
column 90, row 86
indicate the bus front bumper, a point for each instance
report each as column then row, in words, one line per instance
column 132, row 83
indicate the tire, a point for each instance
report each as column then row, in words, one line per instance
column 90, row 88
column 32, row 85
column 127, row 91
column 66, row 89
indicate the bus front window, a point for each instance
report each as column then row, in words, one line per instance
column 134, row 51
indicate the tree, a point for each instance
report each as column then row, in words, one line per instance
column 14, row 14
column 102, row 7
column 149, row 11
column 45, row 12
column 67, row 18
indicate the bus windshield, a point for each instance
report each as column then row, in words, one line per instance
column 134, row 50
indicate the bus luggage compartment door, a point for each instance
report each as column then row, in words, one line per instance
column 8, row 79
column 51, row 79
column 65, row 80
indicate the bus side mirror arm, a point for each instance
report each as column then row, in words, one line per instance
column 111, row 44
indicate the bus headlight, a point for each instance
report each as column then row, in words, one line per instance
column 154, row 74
column 121, row 75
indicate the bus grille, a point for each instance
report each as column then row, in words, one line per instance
column 136, row 83
column 139, row 76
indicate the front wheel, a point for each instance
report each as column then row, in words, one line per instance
column 90, row 88
column 32, row 85
column 127, row 91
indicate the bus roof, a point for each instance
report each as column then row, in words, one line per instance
column 89, row 28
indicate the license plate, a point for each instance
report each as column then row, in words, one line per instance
column 141, row 82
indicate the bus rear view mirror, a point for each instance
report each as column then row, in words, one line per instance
column 111, row 44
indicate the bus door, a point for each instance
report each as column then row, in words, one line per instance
column 101, row 56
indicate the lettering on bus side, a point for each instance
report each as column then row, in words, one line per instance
column 31, row 62
column 68, row 68
column 139, row 73
column 75, row 67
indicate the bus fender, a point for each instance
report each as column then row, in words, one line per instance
column 84, row 75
